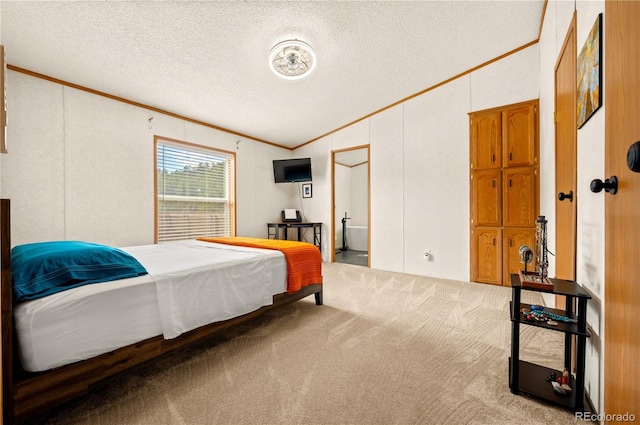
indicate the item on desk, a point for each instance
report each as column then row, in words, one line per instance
column 537, row 279
column 565, row 377
column 559, row 318
column 542, row 261
column 536, row 314
column 558, row 388
column 526, row 255
column 534, row 280
column 291, row 215
column 533, row 316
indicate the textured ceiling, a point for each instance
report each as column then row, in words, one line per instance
column 207, row 60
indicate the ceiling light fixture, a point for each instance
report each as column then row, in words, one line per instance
column 292, row 59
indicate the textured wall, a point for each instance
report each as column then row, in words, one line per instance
column 81, row 167
column 420, row 167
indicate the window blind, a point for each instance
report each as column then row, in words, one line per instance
column 195, row 192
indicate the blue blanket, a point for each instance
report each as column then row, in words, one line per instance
column 44, row 268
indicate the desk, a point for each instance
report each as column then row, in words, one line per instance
column 273, row 231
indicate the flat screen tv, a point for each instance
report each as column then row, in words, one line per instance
column 292, row 170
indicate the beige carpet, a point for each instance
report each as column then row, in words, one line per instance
column 386, row 348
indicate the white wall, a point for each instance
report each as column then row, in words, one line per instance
column 419, row 165
column 315, row 208
column 351, row 193
column 359, row 195
column 342, row 199
column 81, row 167
column 591, row 235
column 590, row 220
column 387, row 189
column 319, row 207
column 436, row 182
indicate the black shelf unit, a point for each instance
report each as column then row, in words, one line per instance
column 530, row 378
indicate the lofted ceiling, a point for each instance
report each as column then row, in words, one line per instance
column 207, row 60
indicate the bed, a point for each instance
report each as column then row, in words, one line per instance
column 184, row 292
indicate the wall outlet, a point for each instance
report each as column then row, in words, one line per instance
column 427, row 254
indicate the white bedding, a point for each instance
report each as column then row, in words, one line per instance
column 189, row 284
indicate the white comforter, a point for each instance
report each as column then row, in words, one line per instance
column 207, row 282
column 189, row 284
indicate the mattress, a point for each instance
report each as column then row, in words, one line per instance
column 189, row 284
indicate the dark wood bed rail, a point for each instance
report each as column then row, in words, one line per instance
column 26, row 395
column 6, row 309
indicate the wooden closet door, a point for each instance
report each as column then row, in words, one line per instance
column 520, row 195
column 503, row 184
column 488, row 255
column 519, row 136
column 487, row 193
column 486, row 140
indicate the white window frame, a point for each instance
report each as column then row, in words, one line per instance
column 182, row 230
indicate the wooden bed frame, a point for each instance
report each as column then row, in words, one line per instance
column 26, row 395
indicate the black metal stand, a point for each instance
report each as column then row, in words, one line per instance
column 529, row 378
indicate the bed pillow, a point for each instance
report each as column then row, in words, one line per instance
column 44, row 268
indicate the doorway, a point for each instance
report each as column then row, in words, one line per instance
column 350, row 231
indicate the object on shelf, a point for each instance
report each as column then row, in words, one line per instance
column 552, row 377
column 561, row 389
column 535, row 280
column 537, row 314
column 526, row 256
column 541, row 248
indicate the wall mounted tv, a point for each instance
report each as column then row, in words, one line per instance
column 292, row 170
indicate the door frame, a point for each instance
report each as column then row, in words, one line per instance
column 333, row 199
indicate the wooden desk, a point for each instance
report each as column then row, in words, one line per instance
column 273, row 231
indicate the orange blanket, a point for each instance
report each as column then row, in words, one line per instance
column 304, row 261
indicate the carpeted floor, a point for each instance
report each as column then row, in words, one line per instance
column 386, row 348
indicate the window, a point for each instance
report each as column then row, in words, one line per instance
column 195, row 191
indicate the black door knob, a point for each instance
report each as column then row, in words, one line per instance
column 610, row 185
column 633, row 157
column 562, row 196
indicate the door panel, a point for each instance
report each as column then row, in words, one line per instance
column 486, row 186
column 622, row 215
column 488, row 255
column 520, row 136
column 520, row 195
column 486, row 145
column 566, row 157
